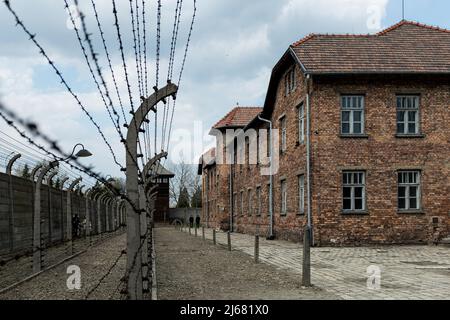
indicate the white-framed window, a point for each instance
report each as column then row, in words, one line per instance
column 352, row 114
column 290, row 81
column 301, row 194
column 408, row 117
column 283, row 197
column 283, row 134
column 250, row 203
column 354, row 191
column 258, row 201
column 242, row 202
column 409, row 190
column 301, row 123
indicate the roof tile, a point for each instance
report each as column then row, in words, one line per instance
column 407, row 47
column 238, row 117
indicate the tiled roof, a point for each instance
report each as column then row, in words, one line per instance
column 161, row 171
column 407, row 47
column 207, row 159
column 238, row 117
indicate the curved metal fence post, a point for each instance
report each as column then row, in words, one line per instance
column 11, row 200
column 34, row 171
column 134, row 261
column 37, row 239
column 69, row 214
column 10, row 164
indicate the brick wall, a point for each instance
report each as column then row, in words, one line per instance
column 381, row 154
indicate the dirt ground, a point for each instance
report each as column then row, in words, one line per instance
column 102, row 268
column 190, row 269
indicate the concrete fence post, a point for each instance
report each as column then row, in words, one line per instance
column 34, row 172
column 11, row 200
column 134, row 270
column 63, row 228
column 117, row 214
column 69, row 230
column 256, row 248
column 214, row 237
column 229, row 240
column 143, row 237
column 203, row 233
column 107, row 201
column 50, row 205
column 99, row 213
column 88, row 215
column 306, row 271
column 37, row 222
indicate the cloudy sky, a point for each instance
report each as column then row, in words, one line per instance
column 234, row 46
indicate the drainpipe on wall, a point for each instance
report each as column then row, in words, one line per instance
column 308, row 234
column 308, row 156
column 271, row 235
column 231, row 199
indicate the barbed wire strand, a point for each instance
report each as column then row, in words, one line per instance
column 182, row 69
column 86, row 58
column 102, row 34
column 95, row 59
column 9, row 117
column 32, row 37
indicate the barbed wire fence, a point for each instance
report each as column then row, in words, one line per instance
column 35, row 151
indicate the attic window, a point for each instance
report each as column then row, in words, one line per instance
column 290, row 81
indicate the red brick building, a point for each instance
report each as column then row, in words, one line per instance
column 371, row 113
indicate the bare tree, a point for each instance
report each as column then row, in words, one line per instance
column 185, row 180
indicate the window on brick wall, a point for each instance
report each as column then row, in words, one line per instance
column 250, row 203
column 408, row 115
column 257, row 148
column 258, row 201
column 301, row 123
column 409, row 190
column 301, row 194
column 217, row 181
column 352, row 115
column 290, row 81
column 283, row 123
column 283, row 197
column 354, row 191
column 242, row 202
column 247, row 152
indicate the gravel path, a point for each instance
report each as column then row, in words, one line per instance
column 189, row 269
column 94, row 264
